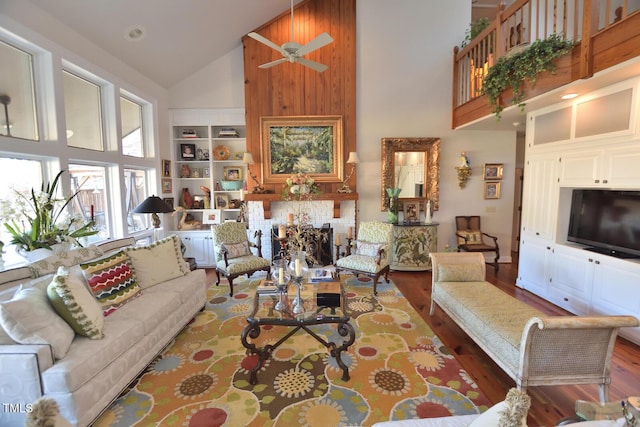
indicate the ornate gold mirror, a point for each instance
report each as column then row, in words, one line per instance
column 412, row 164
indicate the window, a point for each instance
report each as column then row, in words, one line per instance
column 82, row 106
column 17, row 97
column 131, row 122
column 135, row 182
column 91, row 202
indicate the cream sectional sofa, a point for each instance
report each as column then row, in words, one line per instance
column 89, row 374
column 532, row 348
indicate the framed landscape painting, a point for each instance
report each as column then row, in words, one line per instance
column 310, row 145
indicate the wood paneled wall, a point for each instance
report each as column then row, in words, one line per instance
column 294, row 90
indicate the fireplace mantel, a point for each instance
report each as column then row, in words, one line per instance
column 267, row 199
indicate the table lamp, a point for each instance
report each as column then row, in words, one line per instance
column 247, row 159
column 353, row 160
column 153, row 205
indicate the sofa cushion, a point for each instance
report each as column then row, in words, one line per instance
column 50, row 264
column 112, row 281
column 29, row 318
column 157, row 262
column 471, row 272
column 71, row 299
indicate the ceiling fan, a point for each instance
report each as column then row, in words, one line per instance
column 294, row 52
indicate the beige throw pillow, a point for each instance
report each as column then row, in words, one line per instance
column 157, row 262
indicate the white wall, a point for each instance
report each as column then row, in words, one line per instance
column 404, row 81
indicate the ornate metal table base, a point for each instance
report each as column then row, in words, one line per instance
column 252, row 330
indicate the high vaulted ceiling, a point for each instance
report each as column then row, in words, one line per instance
column 179, row 36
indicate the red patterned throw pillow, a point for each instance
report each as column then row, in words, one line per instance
column 112, row 281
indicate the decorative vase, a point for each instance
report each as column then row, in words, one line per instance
column 394, row 205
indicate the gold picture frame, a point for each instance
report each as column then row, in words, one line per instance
column 492, row 190
column 166, row 168
column 232, row 173
column 493, row 171
column 315, row 139
column 222, row 201
column 166, row 185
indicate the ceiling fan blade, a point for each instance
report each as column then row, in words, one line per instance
column 273, row 63
column 267, row 42
column 320, row 41
column 312, row 64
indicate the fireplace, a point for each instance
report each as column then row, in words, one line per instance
column 321, row 243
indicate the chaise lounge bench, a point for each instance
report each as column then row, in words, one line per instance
column 532, row 348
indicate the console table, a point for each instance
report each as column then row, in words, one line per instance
column 412, row 244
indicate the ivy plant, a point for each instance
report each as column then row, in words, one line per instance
column 511, row 71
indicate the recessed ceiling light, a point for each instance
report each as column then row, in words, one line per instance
column 569, row 96
column 135, row 33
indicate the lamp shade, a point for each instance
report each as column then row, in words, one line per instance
column 353, row 157
column 247, row 158
column 153, row 204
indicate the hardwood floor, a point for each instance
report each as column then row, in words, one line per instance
column 549, row 404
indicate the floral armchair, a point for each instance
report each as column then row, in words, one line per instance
column 372, row 252
column 233, row 254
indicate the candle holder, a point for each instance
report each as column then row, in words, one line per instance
column 281, row 278
column 348, row 248
column 337, row 251
column 298, row 269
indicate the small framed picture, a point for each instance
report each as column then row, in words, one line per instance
column 212, row 216
column 166, row 185
column 188, row 151
column 206, row 172
column 170, row 201
column 198, row 202
column 166, row 168
column 492, row 190
column 411, row 211
column 232, row 173
column 195, row 173
column 237, row 155
column 493, row 171
column 222, row 201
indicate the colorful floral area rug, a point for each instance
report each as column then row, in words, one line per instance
column 399, row 369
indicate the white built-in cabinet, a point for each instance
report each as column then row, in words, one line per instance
column 578, row 280
column 613, row 166
column 207, row 146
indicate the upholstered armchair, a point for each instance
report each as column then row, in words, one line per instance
column 233, row 254
column 371, row 253
column 471, row 238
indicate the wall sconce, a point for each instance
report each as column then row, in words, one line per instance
column 353, row 160
column 464, row 170
column 247, row 159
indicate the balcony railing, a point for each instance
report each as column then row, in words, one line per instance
column 525, row 21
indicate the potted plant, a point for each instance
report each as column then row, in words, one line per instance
column 510, row 71
column 39, row 219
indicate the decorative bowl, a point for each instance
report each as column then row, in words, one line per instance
column 231, row 185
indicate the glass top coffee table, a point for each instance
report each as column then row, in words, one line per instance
column 324, row 307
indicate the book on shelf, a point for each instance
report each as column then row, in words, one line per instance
column 267, row 287
column 320, row 275
column 226, row 132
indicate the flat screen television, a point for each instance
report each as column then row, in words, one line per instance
column 607, row 221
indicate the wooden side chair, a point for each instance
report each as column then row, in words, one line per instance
column 471, row 238
column 371, row 254
column 233, row 254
